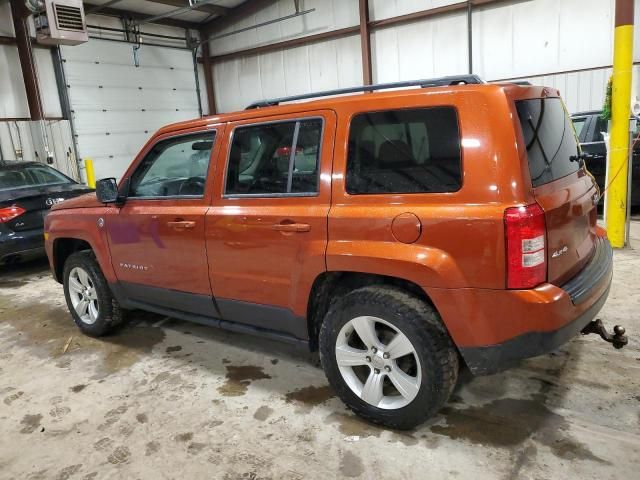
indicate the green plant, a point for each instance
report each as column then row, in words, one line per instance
column 606, row 108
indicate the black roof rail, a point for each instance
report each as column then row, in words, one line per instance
column 425, row 83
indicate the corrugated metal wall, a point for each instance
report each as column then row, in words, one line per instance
column 15, row 136
column 319, row 66
column 530, row 39
column 13, row 99
column 116, row 106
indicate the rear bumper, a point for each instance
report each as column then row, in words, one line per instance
column 21, row 245
column 490, row 359
column 501, row 327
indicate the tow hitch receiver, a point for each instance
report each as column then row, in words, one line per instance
column 618, row 339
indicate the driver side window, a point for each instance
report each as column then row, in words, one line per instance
column 175, row 167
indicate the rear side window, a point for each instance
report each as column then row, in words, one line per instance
column 275, row 158
column 549, row 138
column 14, row 178
column 579, row 124
column 30, row 176
column 404, row 151
column 44, row 175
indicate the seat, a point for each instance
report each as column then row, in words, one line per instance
column 395, row 154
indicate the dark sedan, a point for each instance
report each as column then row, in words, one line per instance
column 27, row 192
column 590, row 127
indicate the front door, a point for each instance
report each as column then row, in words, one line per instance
column 157, row 238
column 267, row 228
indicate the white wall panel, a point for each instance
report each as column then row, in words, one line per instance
column 271, row 80
column 320, row 66
column 47, row 81
column 13, row 99
column 581, row 91
column 296, row 70
column 537, row 36
column 380, row 9
column 6, row 23
column 328, row 15
column 16, row 137
column 636, row 35
column 118, row 106
column 428, row 48
column 576, row 50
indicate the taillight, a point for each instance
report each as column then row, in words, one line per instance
column 9, row 213
column 525, row 241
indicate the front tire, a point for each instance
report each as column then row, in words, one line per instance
column 388, row 356
column 91, row 303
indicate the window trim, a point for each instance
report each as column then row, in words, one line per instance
column 171, row 137
column 412, row 107
column 297, row 121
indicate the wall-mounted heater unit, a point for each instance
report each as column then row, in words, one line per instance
column 60, row 22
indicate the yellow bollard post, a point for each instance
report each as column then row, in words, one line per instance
column 91, row 176
column 620, row 111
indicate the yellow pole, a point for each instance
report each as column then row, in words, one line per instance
column 620, row 111
column 91, row 176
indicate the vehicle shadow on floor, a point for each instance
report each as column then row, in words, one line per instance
column 17, row 273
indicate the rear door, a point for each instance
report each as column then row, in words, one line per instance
column 561, row 185
column 267, row 229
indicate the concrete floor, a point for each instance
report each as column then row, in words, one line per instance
column 168, row 399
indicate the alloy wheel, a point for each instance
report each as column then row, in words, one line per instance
column 378, row 362
column 84, row 297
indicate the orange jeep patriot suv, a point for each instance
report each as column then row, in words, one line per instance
column 402, row 233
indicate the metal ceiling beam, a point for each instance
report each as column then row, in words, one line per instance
column 116, row 12
column 294, row 42
column 173, row 13
column 207, row 8
column 243, row 10
column 258, row 25
column 99, row 8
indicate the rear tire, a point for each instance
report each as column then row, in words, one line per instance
column 92, row 305
column 389, row 331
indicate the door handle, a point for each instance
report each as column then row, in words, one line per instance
column 181, row 224
column 291, row 227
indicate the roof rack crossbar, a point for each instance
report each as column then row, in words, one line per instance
column 425, row 83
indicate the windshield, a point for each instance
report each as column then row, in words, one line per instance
column 549, row 138
column 21, row 176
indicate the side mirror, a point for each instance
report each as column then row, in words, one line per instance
column 107, row 190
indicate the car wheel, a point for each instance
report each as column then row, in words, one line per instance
column 388, row 356
column 91, row 303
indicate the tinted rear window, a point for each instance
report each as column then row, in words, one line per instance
column 404, row 151
column 21, row 176
column 549, row 138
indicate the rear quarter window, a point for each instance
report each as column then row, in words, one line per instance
column 404, row 151
column 549, row 139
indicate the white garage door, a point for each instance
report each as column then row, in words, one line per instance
column 117, row 106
